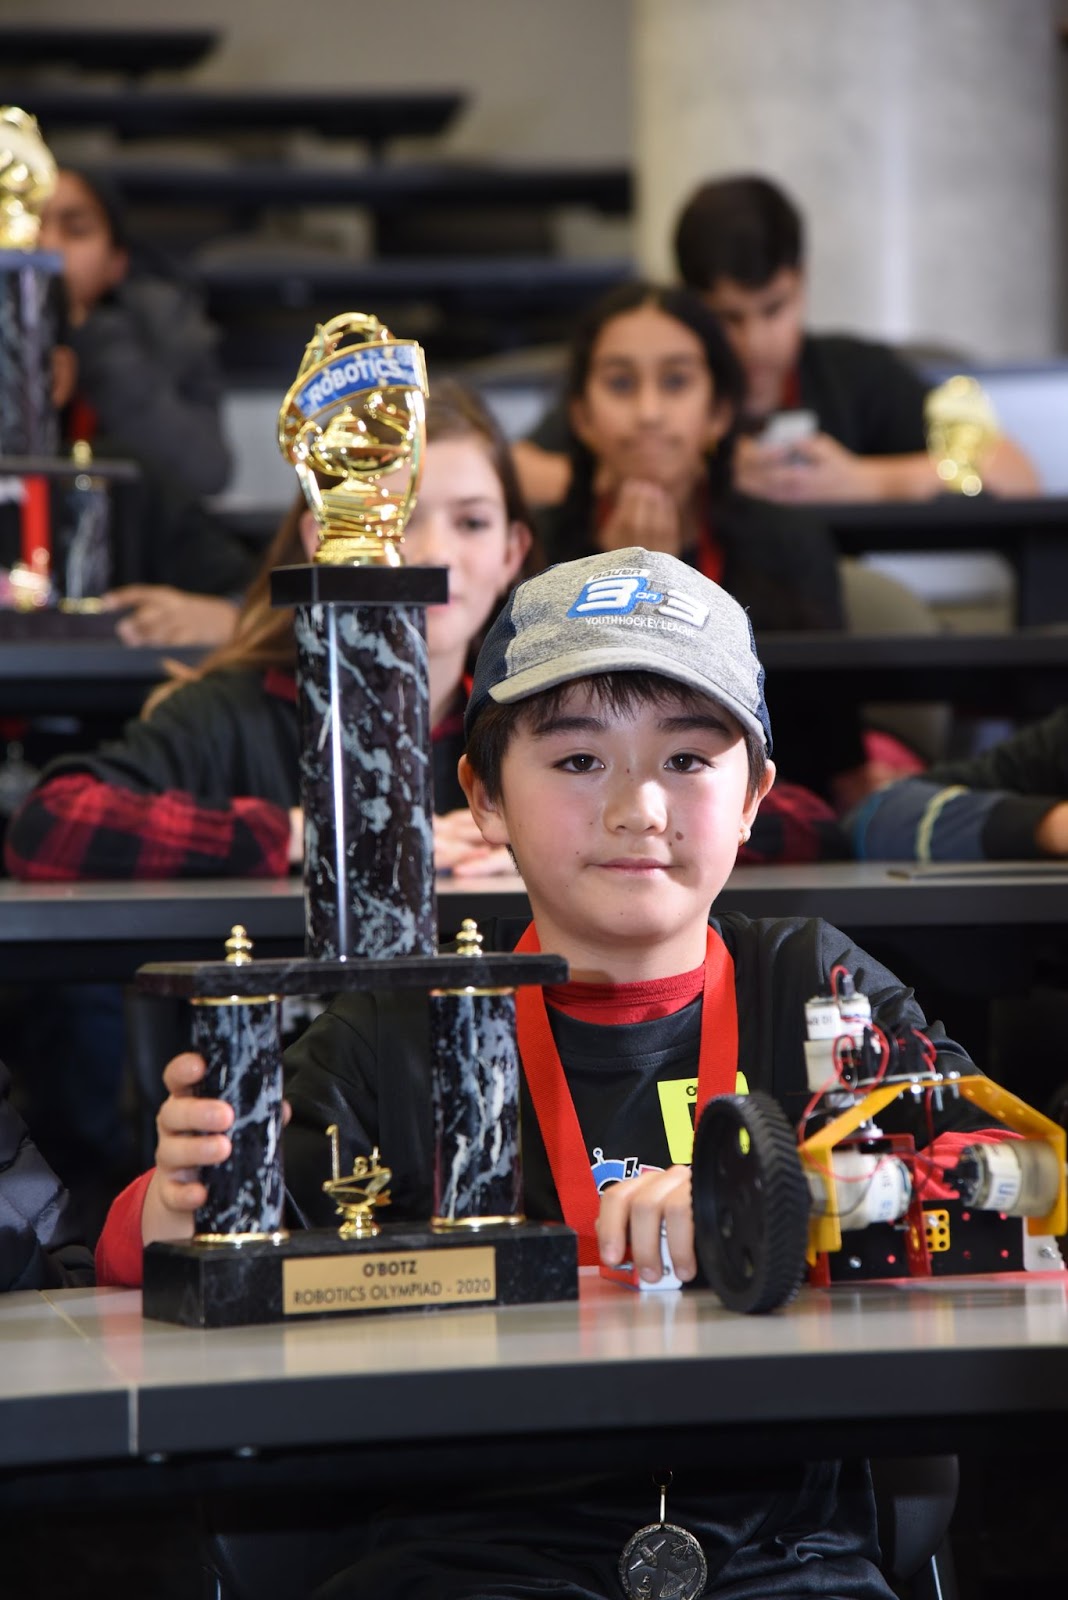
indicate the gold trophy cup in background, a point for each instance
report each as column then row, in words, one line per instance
column 961, row 428
column 353, row 425
column 27, row 179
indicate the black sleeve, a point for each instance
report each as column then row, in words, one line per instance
column 864, row 394
column 332, row 1076
column 192, row 742
column 780, row 963
column 1031, row 762
column 39, row 1246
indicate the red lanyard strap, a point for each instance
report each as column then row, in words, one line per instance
column 554, row 1107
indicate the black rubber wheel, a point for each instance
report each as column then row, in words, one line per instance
column 750, row 1202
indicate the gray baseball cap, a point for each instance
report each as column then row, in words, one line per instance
column 628, row 610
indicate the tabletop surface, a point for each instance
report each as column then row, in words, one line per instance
column 615, row 1360
column 887, row 894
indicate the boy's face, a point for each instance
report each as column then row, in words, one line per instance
column 765, row 326
column 625, row 826
column 75, row 223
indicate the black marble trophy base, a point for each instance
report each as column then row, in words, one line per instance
column 315, row 1273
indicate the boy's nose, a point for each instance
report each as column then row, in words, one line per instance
column 634, row 806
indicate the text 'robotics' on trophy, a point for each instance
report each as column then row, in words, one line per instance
column 352, row 424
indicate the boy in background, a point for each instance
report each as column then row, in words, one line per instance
column 618, row 742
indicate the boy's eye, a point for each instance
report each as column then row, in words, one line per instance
column 686, row 761
column 581, row 762
column 472, row 524
column 618, row 382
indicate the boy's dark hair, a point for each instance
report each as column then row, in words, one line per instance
column 745, row 229
column 728, row 383
column 109, row 198
column 496, row 725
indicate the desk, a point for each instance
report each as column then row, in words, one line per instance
column 79, row 676
column 905, row 1366
column 997, row 672
column 103, row 931
column 1032, row 534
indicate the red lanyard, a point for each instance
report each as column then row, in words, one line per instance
column 569, row 1163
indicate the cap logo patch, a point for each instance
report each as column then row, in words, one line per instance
column 620, row 595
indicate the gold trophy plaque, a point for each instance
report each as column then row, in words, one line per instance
column 961, row 428
column 353, row 425
column 27, row 179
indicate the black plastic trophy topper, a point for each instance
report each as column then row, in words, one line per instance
column 352, row 423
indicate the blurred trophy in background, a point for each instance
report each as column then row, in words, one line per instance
column 961, row 429
column 29, row 286
column 353, row 426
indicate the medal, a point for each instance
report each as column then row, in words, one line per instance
column 663, row 1561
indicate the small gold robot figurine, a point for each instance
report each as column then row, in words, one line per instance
column 357, row 1194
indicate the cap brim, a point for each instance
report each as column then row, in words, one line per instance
column 593, row 663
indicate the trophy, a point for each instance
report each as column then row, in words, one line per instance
column 961, row 427
column 352, row 425
column 28, row 290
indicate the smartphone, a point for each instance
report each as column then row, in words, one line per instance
column 786, row 429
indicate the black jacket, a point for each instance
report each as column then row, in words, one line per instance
column 39, row 1247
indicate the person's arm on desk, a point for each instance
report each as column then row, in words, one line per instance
column 821, row 471
column 1007, row 803
column 156, row 614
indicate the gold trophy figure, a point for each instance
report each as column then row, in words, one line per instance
column 961, row 428
column 357, row 1194
column 353, row 425
column 27, row 179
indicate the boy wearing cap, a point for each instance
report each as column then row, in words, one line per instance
column 618, row 742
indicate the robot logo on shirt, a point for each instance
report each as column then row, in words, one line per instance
column 607, row 1172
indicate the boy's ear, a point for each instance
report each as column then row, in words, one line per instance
column 487, row 813
column 752, row 804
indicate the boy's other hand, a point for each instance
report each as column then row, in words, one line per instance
column 159, row 615
column 643, row 514
column 814, row 471
column 190, row 1133
column 459, row 848
column 631, row 1214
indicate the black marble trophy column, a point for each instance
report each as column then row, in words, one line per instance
column 28, row 321
column 240, row 1038
column 365, row 778
column 478, row 1172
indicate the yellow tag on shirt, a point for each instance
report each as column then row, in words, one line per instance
column 678, row 1107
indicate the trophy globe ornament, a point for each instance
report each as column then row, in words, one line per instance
column 27, row 179
column 353, row 426
column 961, row 427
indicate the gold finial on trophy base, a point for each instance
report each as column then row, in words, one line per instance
column 27, row 179
column 356, row 1195
column 353, row 425
column 961, row 428
column 238, row 947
